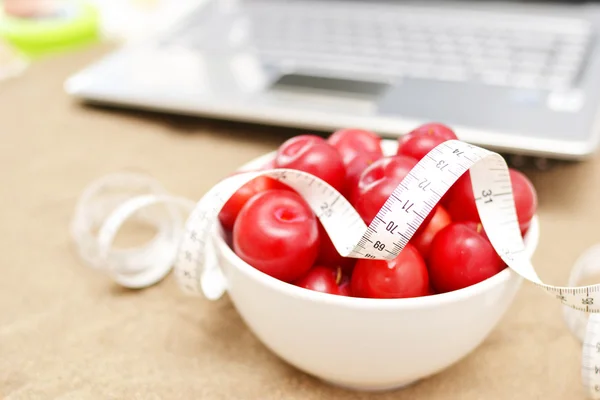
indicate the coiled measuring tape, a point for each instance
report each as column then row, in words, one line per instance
column 72, row 23
column 586, row 326
column 190, row 250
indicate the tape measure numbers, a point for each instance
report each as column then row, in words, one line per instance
column 586, row 326
column 196, row 266
column 398, row 219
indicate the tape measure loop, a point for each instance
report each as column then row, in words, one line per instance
column 106, row 205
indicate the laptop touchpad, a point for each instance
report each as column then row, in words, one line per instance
column 329, row 85
column 327, row 94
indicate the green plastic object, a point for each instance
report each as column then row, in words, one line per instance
column 75, row 24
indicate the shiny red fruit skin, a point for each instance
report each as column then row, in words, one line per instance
column 405, row 276
column 461, row 257
column 356, row 167
column 276, row 232
column 320, row 279
column 378, row 182
column 526, row 201
column 231, row 209
column 326, row 279
column 420, row 141
column 312, row 154
column 477, row 226
column 350, row 142
column 433, row 129
column 370, row 202
column 386, row 167
column 418, row 146
column 344, row 283
column 460, row 200
column 424, row 237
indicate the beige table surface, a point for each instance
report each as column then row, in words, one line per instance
column 68, row 332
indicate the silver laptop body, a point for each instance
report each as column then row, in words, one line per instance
column 517, row 77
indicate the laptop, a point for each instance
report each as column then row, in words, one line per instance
column 519, row 77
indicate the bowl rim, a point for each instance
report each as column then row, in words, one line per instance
column 531, row 241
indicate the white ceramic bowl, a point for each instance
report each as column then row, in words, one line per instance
column 367, row 344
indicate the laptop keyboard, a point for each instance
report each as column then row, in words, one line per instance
column 393, row 41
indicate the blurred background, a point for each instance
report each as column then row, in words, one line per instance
column 520, row 77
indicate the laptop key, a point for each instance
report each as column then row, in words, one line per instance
column 383, row 39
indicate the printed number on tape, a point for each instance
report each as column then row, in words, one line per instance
column 188, row 247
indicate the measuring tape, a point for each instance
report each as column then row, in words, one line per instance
column 74, row 23
column 586, row 326
column 189, row 248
